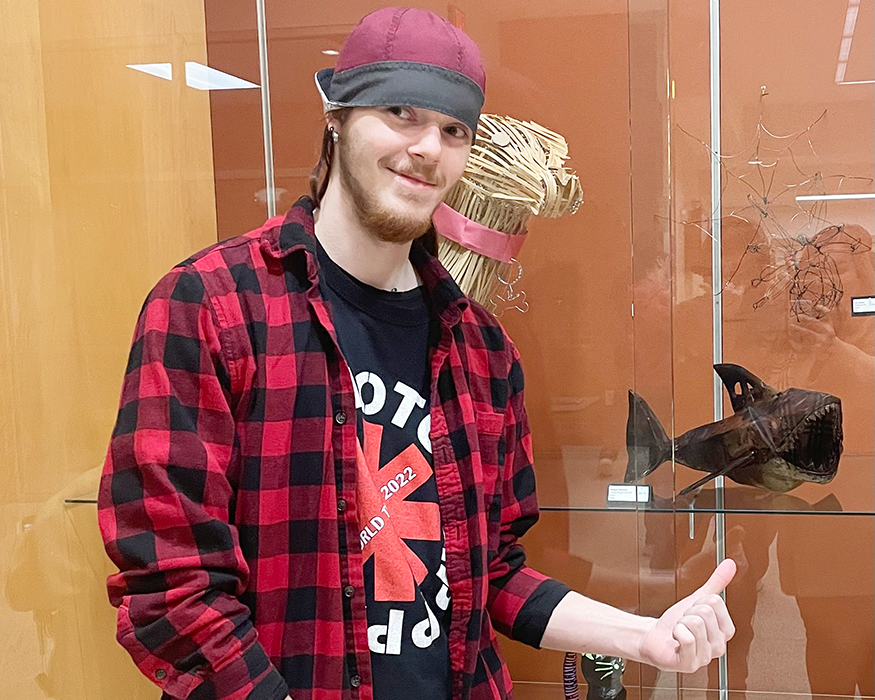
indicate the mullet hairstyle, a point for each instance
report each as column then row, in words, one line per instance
column 320, row 173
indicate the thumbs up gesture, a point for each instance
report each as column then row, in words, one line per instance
column 693, row 631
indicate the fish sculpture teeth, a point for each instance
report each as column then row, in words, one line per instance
column 774, row 440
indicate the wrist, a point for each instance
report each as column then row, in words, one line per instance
column 583, row 625
column 638, row 651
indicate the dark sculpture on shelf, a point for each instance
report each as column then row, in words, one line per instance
column 775, row 440
column 603, row 674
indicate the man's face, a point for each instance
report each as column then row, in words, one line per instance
column 397, row 164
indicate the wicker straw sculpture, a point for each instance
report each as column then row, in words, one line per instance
column 516, row 170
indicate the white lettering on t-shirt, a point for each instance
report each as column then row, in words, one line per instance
column 391, row 633
column 372, row 528
column 410, row 398
column 378, row 400
column 425, row 632
column 443, row 597
column 422, row 433
column 355, row 390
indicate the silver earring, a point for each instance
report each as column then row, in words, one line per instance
column 334, row 135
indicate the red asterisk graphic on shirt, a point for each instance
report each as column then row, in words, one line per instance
column 387, row 518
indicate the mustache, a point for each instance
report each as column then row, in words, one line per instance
column 427, row 173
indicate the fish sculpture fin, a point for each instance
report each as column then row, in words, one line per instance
column 742, row 385
column 647, row 445
column 734, row 464
column 704, row 480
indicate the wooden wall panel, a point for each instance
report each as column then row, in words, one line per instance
column 106, row 181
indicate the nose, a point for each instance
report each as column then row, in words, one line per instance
column 427, row 146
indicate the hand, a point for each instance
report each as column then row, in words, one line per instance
column 693, row 631
column 808, row 333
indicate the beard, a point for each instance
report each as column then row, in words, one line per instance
column 384, row 223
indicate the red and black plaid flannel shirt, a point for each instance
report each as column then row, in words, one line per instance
column 228, row 495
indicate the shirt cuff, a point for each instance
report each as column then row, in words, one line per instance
column 250, row 677
column 532, row 619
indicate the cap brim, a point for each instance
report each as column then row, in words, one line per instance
column 323, row 85
column 402, row 83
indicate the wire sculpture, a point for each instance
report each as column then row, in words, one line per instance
column 796, row 244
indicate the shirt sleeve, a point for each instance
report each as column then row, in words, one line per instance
column 521, row 599
column 163, row 508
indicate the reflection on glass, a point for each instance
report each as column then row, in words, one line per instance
column 827, row 197
column 159, row 70
column 203, row 77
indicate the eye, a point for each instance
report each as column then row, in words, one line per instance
column 458, row 131
column 401, row 112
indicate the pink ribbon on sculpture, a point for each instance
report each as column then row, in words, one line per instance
column 473, row 236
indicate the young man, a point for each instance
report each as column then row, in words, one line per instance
column 322, row 463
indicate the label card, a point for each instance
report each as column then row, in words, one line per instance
column 862, row 306
column 625, row 494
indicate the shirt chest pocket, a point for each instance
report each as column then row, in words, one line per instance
column 491, row 443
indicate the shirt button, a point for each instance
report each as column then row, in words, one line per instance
column 349, row 591
column 355, row 681
column 160, row 674
column 340, row 418
column 341, row 505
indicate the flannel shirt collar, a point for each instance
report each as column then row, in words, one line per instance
column 296, row 237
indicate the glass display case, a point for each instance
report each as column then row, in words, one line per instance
column 750, row 242
column 726, row 152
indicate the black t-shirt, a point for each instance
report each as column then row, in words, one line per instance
column 385, row 338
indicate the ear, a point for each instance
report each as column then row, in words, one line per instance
column 334, row 119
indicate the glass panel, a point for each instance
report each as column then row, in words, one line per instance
column 570, row 74
column 597, row 555
column 796, row 141
column 795, row 254
column 795, row 327
column 235, row 118
column 802, row 602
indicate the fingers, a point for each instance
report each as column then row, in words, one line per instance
column 687, row 654
column 721, row 578
column 717, row 605
column 702, row 633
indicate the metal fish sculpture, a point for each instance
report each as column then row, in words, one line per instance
column 775, row 440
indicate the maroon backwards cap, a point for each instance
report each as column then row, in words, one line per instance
column 406, row 56
column 407, row 34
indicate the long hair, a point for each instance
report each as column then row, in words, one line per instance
column 320, row 173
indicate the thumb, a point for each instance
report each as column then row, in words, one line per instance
column 721, row 578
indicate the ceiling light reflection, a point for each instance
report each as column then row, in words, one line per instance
column 159, row 70
column 202, row 77
column 847, row 39
column 831, row 197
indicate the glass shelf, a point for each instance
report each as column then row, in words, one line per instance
column 736, row 499
column 652, row 509
column 80, row 499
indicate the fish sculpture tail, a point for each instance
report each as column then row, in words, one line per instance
column 647, row 444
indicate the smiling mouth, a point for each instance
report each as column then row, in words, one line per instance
column 413, row 179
